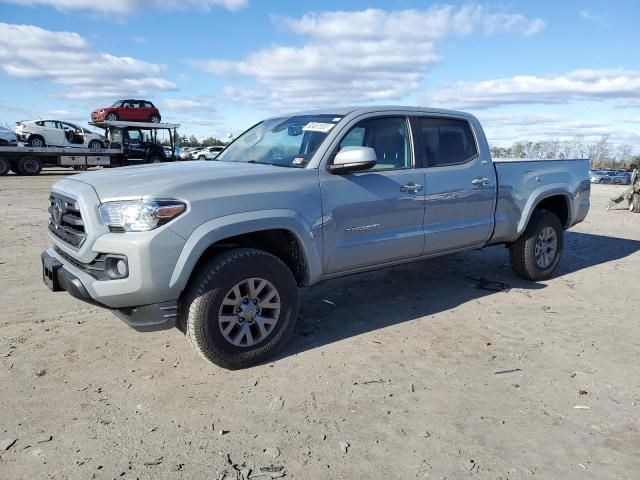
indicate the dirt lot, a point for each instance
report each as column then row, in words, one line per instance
column 403, row 367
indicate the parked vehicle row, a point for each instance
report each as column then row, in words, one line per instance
column 610, row 177
column 201, row 153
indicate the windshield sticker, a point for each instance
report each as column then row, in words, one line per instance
column 318, row 127
column 298, row 161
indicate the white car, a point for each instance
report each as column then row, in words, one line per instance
column 56, row 133
column 207, row 153
column 7, row 138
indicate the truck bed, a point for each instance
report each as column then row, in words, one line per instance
column 522, row 183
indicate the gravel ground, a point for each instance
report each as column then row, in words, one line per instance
column 410, row 372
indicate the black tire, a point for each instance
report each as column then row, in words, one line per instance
column 37, row 141
column 634, row 204
column 155, row 159
column 29, row 166
column 111, row 117
column 80, row 168
column 5, row 166
column 154, row 118
column 207, row 289
column 95, row 145
column 522, row 252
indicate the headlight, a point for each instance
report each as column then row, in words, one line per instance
column 139, row 216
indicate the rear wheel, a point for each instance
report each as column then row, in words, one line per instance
column 241, row 308
column 5, row 166
column 154, row 118
column 634, row 203
column 536, row 254
column 29, row 166
column 36, row 141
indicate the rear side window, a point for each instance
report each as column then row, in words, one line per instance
column 51, row 124
column 148, row 105
column 447, row 141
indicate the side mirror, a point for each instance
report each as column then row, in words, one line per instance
column 353, row 159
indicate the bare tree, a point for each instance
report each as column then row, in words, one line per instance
column 599, row 151
column 550, row 148
column 624, row 152
column 579, row 146
column 566, row 149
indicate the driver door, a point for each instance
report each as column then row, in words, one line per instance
column 374, row 216
column 73, row 136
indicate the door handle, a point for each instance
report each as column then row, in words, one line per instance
column 483, row 181
column 411, row 187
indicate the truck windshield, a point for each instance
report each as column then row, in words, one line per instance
column 284, row 141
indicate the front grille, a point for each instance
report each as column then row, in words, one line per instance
column 65, row 220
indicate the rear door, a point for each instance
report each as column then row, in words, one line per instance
column 52, row 132
column 374, row 216
column 460, row 184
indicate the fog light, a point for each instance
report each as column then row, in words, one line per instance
column 116, row 267
column 121, row 267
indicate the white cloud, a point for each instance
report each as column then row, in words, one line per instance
column 188, row 105
column 66, row 59
column 586, row 84
column 358, row 56
column 124, row 7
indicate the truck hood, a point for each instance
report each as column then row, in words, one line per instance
column 142, row 180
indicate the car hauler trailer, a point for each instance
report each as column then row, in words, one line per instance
column 130, row 143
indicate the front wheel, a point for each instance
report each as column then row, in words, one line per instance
column 535, row 255
column 95, row 145
column 241, row 308
column 111, row 117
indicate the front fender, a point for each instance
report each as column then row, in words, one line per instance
column 242, row 223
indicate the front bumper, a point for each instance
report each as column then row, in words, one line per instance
column 60, row 277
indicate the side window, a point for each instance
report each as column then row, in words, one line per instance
column 447, row 141
column 148, row 105
column 388, row 136
column 135, row 136
column 51, row 124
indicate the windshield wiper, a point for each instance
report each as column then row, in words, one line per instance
column 265, row 163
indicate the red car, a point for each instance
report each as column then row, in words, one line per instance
column 128, row 110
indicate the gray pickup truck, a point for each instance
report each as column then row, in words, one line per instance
column 218, row 249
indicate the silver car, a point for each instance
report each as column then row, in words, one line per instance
column 7, row 138
column 599, row 177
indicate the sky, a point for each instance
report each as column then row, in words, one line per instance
column 529, row 70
